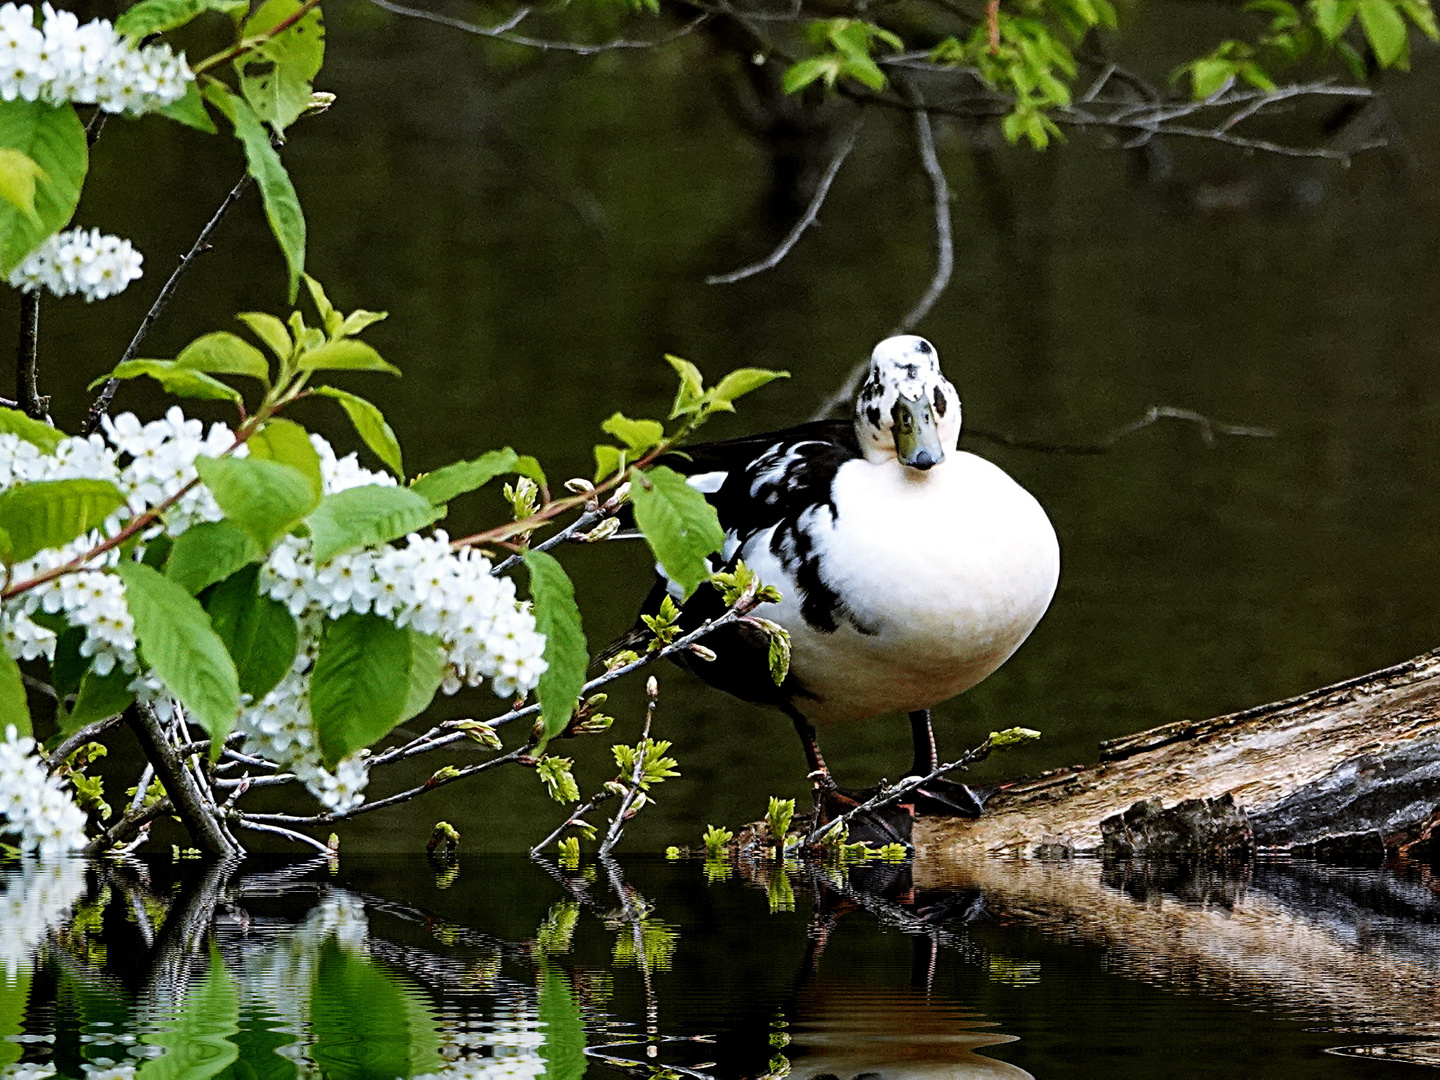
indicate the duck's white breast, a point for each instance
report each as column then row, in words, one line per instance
column 944, row 573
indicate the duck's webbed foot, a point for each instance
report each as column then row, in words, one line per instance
column 890, row 824
column 945, row 798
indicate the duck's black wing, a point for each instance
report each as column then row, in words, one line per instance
column 756, row 483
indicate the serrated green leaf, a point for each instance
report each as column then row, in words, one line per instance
column 365, row 516
column 52, row 137
column 558, row 618
column 51, row 513
column 260, row 634
column 282, row 205
column 35, row 432
column 361, row 683
column 223, row 353
column 157, row 16
column 638, row 435
column 275, row 76
column 190, row 111
column 271, row 331
column 427, row 670
column 18, row 174
column 811, row 69
column 183, row 382
column 371, row 425
column 1384, row 29
column 99, row 696
column 681, row 528
column 455, row 480
column 1332, row 17
column 264, row 498
column 287, row 443
column 209, row 552
column 181, row 647
column 14, row 709
column 69, row 666
column 739, row 383
column 346, row 354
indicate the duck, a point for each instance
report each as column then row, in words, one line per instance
column 908, row 570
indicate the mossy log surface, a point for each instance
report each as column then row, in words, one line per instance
column 1349, row 770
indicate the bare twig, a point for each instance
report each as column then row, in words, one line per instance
column 128, row 826
column 504, row 31
column 167, row 292
column 806, row 219
column 637, row 774
column 79, row 738
column 565, row 535
column 1209, row 429
column 944, row 237
column 27, row 385
column 247, row 822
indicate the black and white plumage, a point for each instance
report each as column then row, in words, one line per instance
column 909, row 570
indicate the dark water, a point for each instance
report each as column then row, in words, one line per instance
column 387, row 970
column 539, row 230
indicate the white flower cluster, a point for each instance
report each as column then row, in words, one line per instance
column 88, row 65
column 38, row 894
column 485, row 632
column 35, row 806
column 79, row 261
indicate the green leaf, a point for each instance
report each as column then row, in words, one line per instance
column 260, row 634
column 462, row 477
column 739, row 383
column 275, row 76
column 197, row 1039
column 558, row 618
column 157, row 16
column 1422, row 15
column 282, row 205
column 271, row 331
column 332, row 320
column 1207, row 76
column 183, row 382
column 18, row 173
column 638, row 435
column 609, row 460
column 1332, row 17
column 54, row 139
column 813, row 68
column 427, row 671
column 1012, row 737
column 223, row 353
column 346, row 354
column 68, row 667
column 1384, row 29
column 14, row 1007
column 559, row 1013
column 264, row 498
column 209, row 552
column 681, row 528
column 190, row 111
column 370, row 425
column 287, row 443
column 361, row 683
column 365, row 516
column 99, row 696
column 182, row 647
column 692, row 387
column 13, row 707
column 359, row 319
column 35, row 432
column 50, row 513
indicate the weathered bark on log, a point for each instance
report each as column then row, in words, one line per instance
column 1346, row 770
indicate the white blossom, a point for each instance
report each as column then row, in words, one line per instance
column 37, row 810
column 79, row 261
column 38, row 895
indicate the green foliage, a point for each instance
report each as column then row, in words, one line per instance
column 354, row 1002
column 1014, row 736
column 649, row 755
column 179, row 643
column 259, row 634
column 681, row 528
column 158, row 16
column 182, row 382
column 197, row 1040
column 716, row 840
column 223, row 353
column 554, row 935
column 778, row 816
column 265, row 498
column 366, row 516
column 462, row 477
column 15, row 422
column 637, row 435
column 849, row 46
column 18, row 174
column 286, row 443
column 209, row 552
column 370, row 424
column 13, row 707
column 559, row 1014
column 98, row 696
column 555, row 773
column 566, row 655
column 569, row 852
column 427, row 671
column 664, row 625
column 741, row 582
column 89, row 790
column 361, row 683
column 51, row 513
column 275, row 77
column 53, row 139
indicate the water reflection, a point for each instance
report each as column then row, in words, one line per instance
column 392, row 971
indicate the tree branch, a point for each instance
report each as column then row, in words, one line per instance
column 128, row 826
column 190, row 804
column 1209, row 429
column 806, row 220
column 617, row 823
column 944, row 237
column 503, row 31
column 167, row 292
column 27, row 386
column 80, row 738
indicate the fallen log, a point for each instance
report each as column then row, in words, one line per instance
column 1345, row 771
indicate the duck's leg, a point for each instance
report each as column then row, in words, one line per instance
column 884, row 826
column 939, row 796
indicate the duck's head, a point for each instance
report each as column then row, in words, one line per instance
column 906, row 409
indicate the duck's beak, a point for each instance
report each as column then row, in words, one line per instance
column 917, row 434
